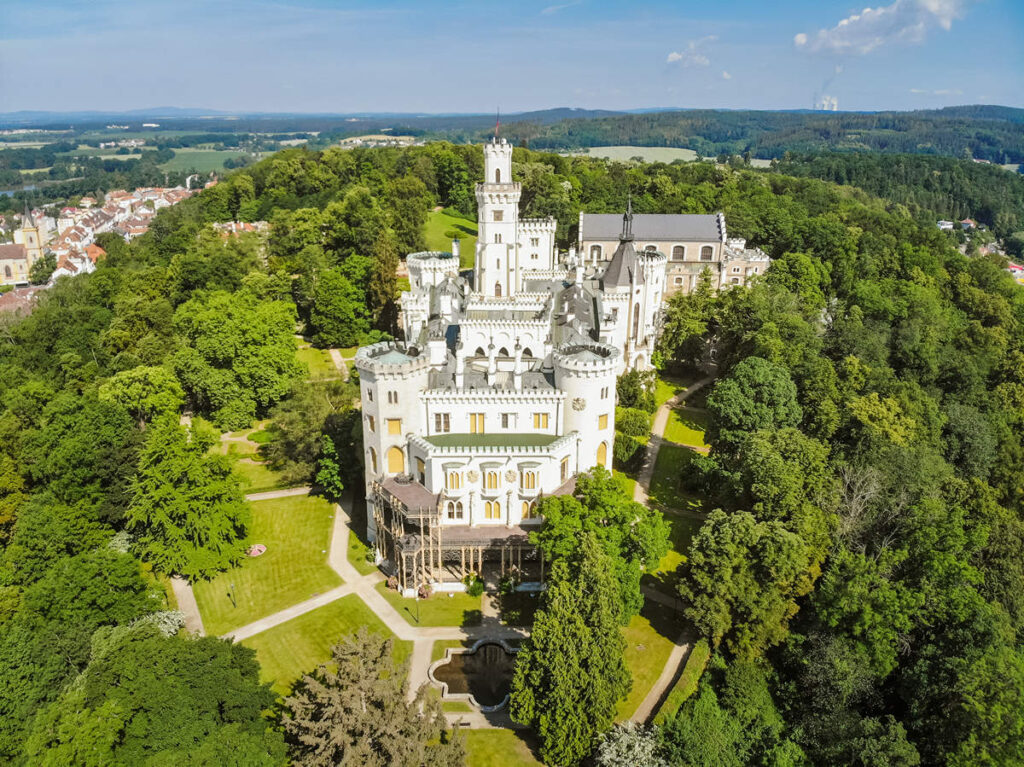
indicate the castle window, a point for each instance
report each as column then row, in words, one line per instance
column 369, row 394
column 735, row 280
column 393, row 397
column 499, row 215
column 636, row 321
column 602, row 454
column 492, row 480
column 534, row 256
column 506, row 420
column 497, row 175
column 678, row 253
column 527, row 352
column 453, row 480
column 396, row 460
column 707, row 253
column 565, row 468
column 529, row 510
column 677, row 281
column 454, row 510
column 442, row 423
column 476, row 423
column 479, row 352
column 651, row 249
column 497, row 238
column 7, row 271
column 528, row 480
column 534, row 242
column 604, row 392
column 497, row 289
column 492, row 510
column 595, row 252
column 421, row 471
column 602, row 421
column 735, row 270
column 503, row 352
column 371, row 422
column 373, row 460
column 394, row 426
column 540, row 420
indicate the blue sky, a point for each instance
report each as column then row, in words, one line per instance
column 421, row 56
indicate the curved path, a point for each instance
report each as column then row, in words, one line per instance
column 681, row 650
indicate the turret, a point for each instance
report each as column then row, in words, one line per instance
column 586, row 373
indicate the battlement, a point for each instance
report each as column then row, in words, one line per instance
column 430, row 257
column 391, row 358
column 586, row 357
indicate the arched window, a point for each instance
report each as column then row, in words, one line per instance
column 651, row 249
column 492, row 480
column 396, row 460
column 497, row 175
column 528, row 479
column 602, row 454
column 450, row 509
column 7, row 271
column 636, row 321
column 707, row 253
column 421, row 471
column 458, row 510
column 503, row 352
column 373, row 460
column 497, row 289
column 497, row 238
column 479, row 352
column 595, row 252
column 453, row 480
column 529, row 509
column 492, row 510
column 678, row 253
column 527, row 352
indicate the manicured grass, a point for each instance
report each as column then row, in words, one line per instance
column 437, row 230
column 348, row 351
column 258, row 477
column 650, row 637
column 672, row 463
column 686, row 684
column 357, row 551
column 668, row 386
column 441, row 646
column 318, row 361
column 199, row 160
column 294, row 648
column 440, row 610
column 296, row 531
column 260, row 437
column 236, row 448
column 499, row 748
column 687, row 426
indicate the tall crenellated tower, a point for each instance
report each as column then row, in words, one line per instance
column 497, row 198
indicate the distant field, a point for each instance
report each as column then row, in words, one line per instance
column 201, row 160
column 648, row 153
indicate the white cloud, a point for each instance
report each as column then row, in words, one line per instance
column 691, row 55
column 726, row 75
column 905, row 21
column 556, row 8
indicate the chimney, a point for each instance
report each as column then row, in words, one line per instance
column 455, row 248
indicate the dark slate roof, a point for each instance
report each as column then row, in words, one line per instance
column 660, row 227
column 624, row 265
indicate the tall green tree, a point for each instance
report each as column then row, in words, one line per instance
column 187, row 512
column 571, row 672
column 145, row 392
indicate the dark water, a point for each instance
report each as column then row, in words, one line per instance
column 12, row 192
column 486, row 674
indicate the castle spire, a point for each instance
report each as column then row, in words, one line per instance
column 627, row 221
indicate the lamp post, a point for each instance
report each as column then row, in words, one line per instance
column 417, row 607
column 233, row 603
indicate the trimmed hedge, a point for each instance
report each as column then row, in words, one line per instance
column 687, row 683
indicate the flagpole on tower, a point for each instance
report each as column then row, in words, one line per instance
column 497, row 124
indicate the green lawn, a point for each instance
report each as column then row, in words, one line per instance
column 437, row 232
column 669, row 386
column 627, row 482
column 672, row 463
column 258, row 477
column 291, row 649
column 499, row 748
column 296, row 531
column 357, row 551
column 440, row 610
column 318, row 361
column 666, row 154
column 200, row 160
column 687, row 426
column 650, row 637
column 681, row 532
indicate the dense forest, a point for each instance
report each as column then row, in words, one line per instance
column 858, row 574
column 987, row 133
column 944, row 186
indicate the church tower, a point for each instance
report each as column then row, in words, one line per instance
column 30, row 238
column 496, row 269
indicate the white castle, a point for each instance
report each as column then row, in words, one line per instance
column 503, row 390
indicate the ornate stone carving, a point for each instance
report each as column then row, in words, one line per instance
column 511, row 475
column 579, row 404
column 472, row 475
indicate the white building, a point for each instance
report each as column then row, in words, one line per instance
column 503, row 390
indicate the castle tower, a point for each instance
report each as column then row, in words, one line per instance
column 586, row 373
column 497, row 253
